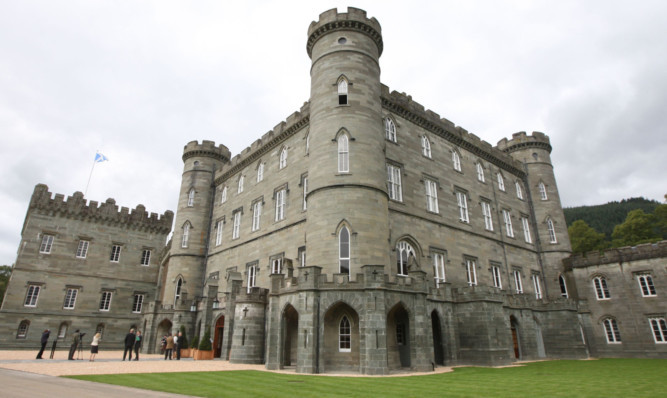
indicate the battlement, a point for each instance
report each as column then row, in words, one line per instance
column 77, row 207
column 619, row 255
column 353, row 19
column 206, row 149
column 522, row 140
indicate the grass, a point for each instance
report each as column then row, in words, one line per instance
column 605, row 377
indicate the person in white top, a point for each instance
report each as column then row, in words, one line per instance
column 94, row 346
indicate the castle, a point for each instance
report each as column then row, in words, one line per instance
column 364, row 233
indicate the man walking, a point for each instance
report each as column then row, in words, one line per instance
column 43, row 341
column 129, row 343
column 169, row 348
column 75, row 344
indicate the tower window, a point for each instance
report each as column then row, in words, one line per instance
column 343, row 154
column 342, row 92
column 563, row 286
column 191, row 198
column 390, row 130
column 552, row 231
column 344, row 251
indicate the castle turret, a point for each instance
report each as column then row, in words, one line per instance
column 186, row 268
column 549, row 220
column 347, row 179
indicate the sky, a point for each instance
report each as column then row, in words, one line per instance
column 137, row 80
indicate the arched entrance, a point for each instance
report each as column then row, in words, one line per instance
column 514, row 326
column 438, row 347
column 398, row 338
column 341, row 339
column 290, row 336
column 219, row 334
column 163, row 329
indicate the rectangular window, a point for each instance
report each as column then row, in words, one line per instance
column 115, row 253
column 439, row 268
column 70, row 299
column 659, row 328
column 507, row 217
column 488, row 218
column 394, row 183
column 305, row 192
column 82, row 250
column 47, row 244
column 543, row 191
column 601, row 288
column 518, row 285
column 501, row 182
column 302, row 256
column 23, row 330
column 462, row 202
column 611, row 331
column 646, row 285
column 252, row 274
column 236, row 229
column 32, row 295
column 105, row 301
column 138, row 303
column 526, row 230
column 536, row 286
column 256, row 215
column 519, row 192
column 280, row 204
column 218, row 233
column 497, row 281
column 431, row 195
column 471, row 272
column 276, row 265
column 146, row 257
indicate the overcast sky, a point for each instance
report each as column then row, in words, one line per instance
column 137, row 80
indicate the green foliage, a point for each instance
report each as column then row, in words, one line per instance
column 599, row 378
column 205, row 343
column 195, row 342
column 5, row 273
column 584, row 238
column 183, row 340
column 603, row 218
column 638, row 228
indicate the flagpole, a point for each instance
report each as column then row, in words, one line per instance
column 91, row 173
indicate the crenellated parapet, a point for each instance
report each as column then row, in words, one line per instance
column 206, row 149
column 77, row 207
column 619, row 255
column 353, row 19
column 404, row 106
column 521, row 140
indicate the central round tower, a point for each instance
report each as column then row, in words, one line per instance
column 347, row 223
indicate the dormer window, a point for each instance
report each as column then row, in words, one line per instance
column 342, row 92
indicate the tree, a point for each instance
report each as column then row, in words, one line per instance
column 638, row 228
column 183, row 340
column 584, row 238
column 5, row 273
column 660, row 221
column 205, row 343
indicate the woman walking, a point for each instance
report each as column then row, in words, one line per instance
column 94, row 346
column 137, row 345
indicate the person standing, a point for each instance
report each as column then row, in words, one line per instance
column 163, row 344
column 129, row 343
column 43, row 341
column 178, row 341
column 137, row 345
column 169, row 347
column 75, row 344
column 94, row 346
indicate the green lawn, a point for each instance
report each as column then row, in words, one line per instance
column 628, row 378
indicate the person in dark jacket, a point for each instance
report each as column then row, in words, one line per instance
column 137, row 345
column 129, row 343
column 43, row 341
column 75, row 344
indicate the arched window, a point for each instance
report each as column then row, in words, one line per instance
column 543, row 191
column 519, row 191
column 501, row 182
column 191, row 197
column 552, row 231
column 22, row 331
column 307, row 143
column 223, row 196
column 456, row 160
column 179, row 288
column 426, row 147
column 563, row 286
column 240, row 187
column 390, row 129
column 283, row 158
column 403, row 253
column 601, row 289
column 342, row 92
column 186, row 234
column 611, row 331
column 62, row 330
column 344, row 335
column 260, row 172
column 343, row 154
column 344, row 251
column 480, row 172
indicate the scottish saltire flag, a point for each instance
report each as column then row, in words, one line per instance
column 100, row 158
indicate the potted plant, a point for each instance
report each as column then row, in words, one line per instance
column 183, row 343
column 205, row 350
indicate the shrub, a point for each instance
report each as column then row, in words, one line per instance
column 205, row 343
column 195, row 342
column 183, row 340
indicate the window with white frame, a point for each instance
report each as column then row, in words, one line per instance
column 302, row 256
column 191, row 197
column 390, row 130
column 344, row 335
column 218, row 232
column 497, row 280
column 146, row 257
column 186, row 234
column 22, row 332
column 488, row 218
column 82, row 249
column 138, row 303
column 223, row 195
column 563, row 286
column 480, row 172
column 646, row 285
column 344, row 251
column 47, row 244
column 601, row 289
column 543, row 191
column 252, row 277
column 501, row 182
column 431, row 195
column 105, row 301
column 439, row 268
column 240, row 185
column 462, row 202
column 260, row 172
column 256, row 215
column 659, row 328
column 537, row 287
column 70, row 298
column 178, row 290
column 403, row 253
column 114, row 257
column 471, row 272
column 507, row 218
column 552, row 231
column 519, row 191
column 305, row 192
column 343, row 154
column 276, row 265
column 426, row 146
column 307, row 143
column 526, row 229
column 518, row 284
column 342, row 91
column 394, row 183
column 283, row 159
column 236, row 228
column 611, row 331
column 456, row 160
column 32, row 295
column 280, row 204
column 62, row 330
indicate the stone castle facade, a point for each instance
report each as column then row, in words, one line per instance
column 364, row 233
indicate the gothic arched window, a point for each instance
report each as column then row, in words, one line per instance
column 344, row 251
column 343, row 154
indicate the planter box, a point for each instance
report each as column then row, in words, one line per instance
column 201, row 355
column 185, row 352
